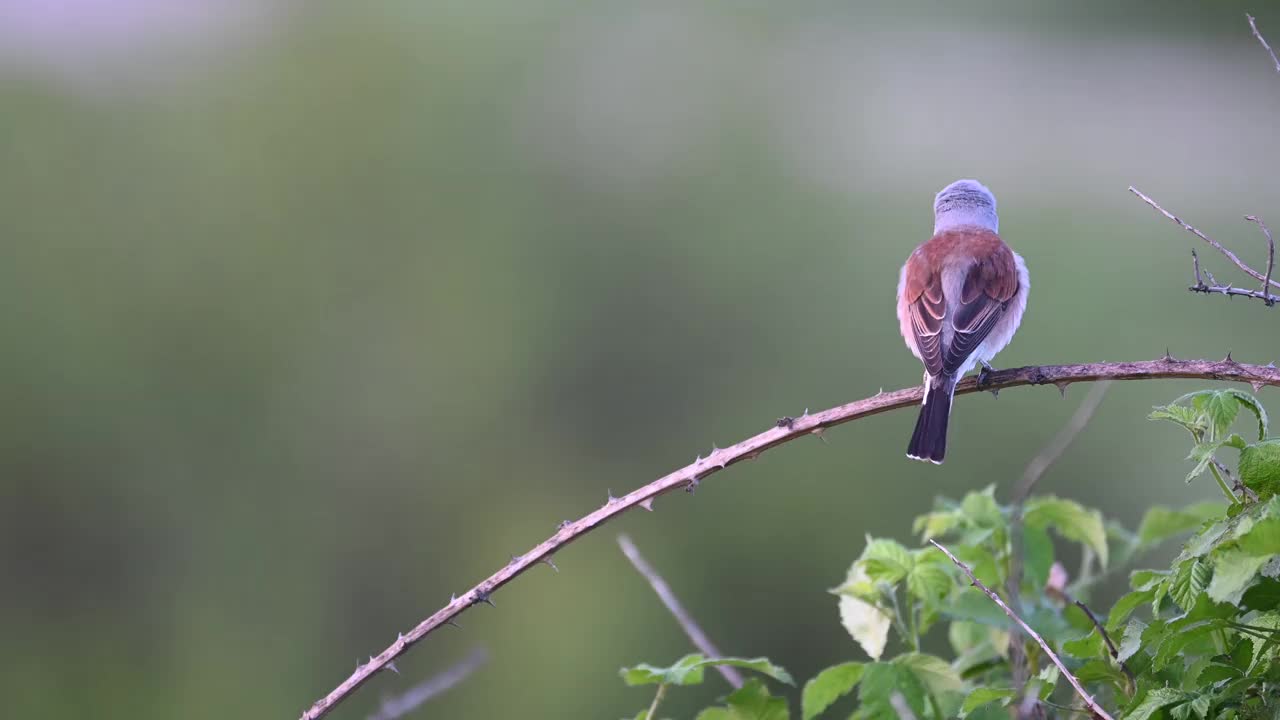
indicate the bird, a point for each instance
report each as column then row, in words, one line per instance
column 961, row 297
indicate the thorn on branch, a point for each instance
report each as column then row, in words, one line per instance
column 692, row 484
column 819, row 432
column 482, row 596
column 563, row 524
column 786, row 421
column 549, row 563
column 647, row 504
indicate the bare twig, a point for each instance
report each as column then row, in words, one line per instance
column 1234, row 291
column 1111, row 647
column 682, row 616
column 1254, row 26
column 751, row 448
column 407, row 702
column 1268, row 298
column 1213, row 243
column 1035, row 469
column 1088, row 699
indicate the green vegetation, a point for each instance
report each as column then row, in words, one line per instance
column 1198, row 639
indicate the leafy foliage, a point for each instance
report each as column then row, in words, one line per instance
column 1199, row 639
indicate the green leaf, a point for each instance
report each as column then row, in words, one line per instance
column 1155, row 700
column 1204, row 541
column 1262, row 539
column 1085, row 647
column 1263, row 596
column 689, row 670
column 928, row 581
column 868, row 624
column 752, row 701
column 1233, row 572
column 1202, row 454
column 880, row 681
column 828, row 686
column 1131, row 642
column 1195, row 707
column 1191, row 579
column 983, row 696
column 980, row 508
column 1071, row 520
column 1221, row 409
column 1252, row 403
column 1161, row 523
column 886, row 560
column 1125, row 606
column 1260, row 467
column 1184, row 416
column 935, row 674
column 714, row 713
column 1037, row 556
column 1096, row 671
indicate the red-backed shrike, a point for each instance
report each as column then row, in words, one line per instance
column 961, row 296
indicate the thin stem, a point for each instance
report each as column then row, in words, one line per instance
column 751, row 448
column 1213, row 243
column 1226, row 489
column 682, row 616
column 1254, row 26
column 1088, row 699
column 657, row 699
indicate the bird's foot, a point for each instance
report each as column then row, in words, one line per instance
column 984, row 375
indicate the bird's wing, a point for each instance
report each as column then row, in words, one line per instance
column 927, row 308
column 988, row 287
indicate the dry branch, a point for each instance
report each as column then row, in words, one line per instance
column 1035, row 469
column 682, row 616
column 1254, row 26
column 1088, row 699
column 1213, row 287
column 784, row 431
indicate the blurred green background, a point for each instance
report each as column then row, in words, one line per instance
column 314, row 313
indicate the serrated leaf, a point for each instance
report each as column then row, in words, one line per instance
column 886, row 560
column 935, row 674
column 868, row 624
column 1233, row 572
column 928, row 581
column 1260, row 468
column 1160, row 523
column 1155, row 700
column 1131, row 641
column 982, row 696
column 715, row 713
column 1201, row 543
column 828, row 686
column 1202, row 454
column 1264, row 649
column 980, row 508
column 1221, row 408
column 1178, row 414
column 1253, row 405
column 689, row 670
column 1190, row 709
column 1191, row 579
column 1262, row 539
column 1071, row 520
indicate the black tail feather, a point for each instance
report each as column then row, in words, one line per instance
column 929, row 441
